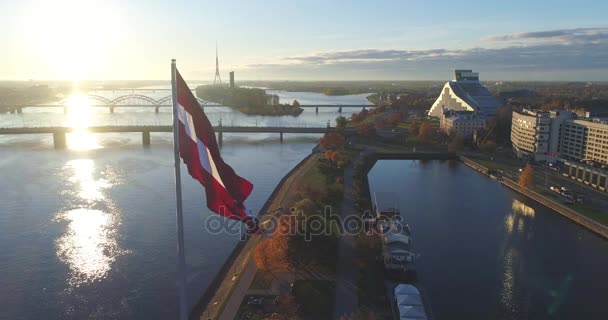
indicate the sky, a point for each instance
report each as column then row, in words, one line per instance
column 303, row 40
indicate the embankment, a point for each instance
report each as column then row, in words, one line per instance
column 224, row 282
column 582, row 220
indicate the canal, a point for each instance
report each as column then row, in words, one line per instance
column 487, row 252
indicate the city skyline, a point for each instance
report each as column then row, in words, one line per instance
column 94, row 40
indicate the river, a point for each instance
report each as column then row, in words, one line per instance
column 89, row 232
column 487, row 252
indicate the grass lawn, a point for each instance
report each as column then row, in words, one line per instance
column 316, row 298
column 313, row 177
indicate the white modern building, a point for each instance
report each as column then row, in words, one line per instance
column 581, row 145
column 465, row 93
column 535, row 135
column 461, row 123
column 585, row 140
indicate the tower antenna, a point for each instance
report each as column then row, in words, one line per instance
column 217, row 79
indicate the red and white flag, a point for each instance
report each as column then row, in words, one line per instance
column 225, row 190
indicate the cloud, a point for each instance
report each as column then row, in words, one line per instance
column 579, row 35
column 364, row 55
column 580, row 52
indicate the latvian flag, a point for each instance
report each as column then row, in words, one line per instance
column 225, row 190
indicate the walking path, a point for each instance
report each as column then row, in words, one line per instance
column 227, row 299
column 346, row 299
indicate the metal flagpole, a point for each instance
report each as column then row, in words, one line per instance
column 181, row 254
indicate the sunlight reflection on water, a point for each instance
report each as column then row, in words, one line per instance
column 89, row 245
column 80, row 116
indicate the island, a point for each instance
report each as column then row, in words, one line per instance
column 252, row 101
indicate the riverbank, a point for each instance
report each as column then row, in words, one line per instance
column 569, row 213
column 222, row 290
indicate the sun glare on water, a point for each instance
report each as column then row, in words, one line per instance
column 80, row 116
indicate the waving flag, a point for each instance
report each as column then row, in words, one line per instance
column 198, row 148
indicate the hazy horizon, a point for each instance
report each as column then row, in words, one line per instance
column 305, row 41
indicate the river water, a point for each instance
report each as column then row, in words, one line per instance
column 89, row 232
column 487, row 252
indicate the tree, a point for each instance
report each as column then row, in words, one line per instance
column 425, row 133
column 341, row 122
column 380, row 124
column 526, row 177
column 271, row 254
column 340, row 158
column 332, row 140
column 414, row 128
column 295, row 103
column 364, row 129
column 456, row 145
column 395, row 118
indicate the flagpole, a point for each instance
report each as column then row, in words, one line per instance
column 181, row 254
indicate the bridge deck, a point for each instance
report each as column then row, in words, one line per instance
column 203, row 105
column 143, row 128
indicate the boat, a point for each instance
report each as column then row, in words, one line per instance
column 397, row 250
column 408, row 303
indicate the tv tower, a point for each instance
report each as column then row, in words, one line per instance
column 217, row 79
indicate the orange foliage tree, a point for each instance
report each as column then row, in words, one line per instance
column 395, row 118
column 425, row 133
column 271, row 254
column 332, row 140
column 364, row 129
column 526, row 177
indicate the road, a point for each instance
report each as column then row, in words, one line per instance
column 545, row 178
column 238, row 292
column 346, row 298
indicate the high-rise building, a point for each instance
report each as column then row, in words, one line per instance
column 232, row 79
column 585, row 140
column 465, row 93
column 536, row 134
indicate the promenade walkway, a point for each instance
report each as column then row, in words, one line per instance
column 346, row 299
column 227, row 298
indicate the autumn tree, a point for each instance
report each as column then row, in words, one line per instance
column 395, row 118
column 332, row 140
column 414, row 128
column 526, row 177
column 340, row 158
column 271, row 254
column 364, row 129
column 425, row 133
column 341, row 122
column 380, row 124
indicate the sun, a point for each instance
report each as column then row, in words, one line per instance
column 72, row 37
